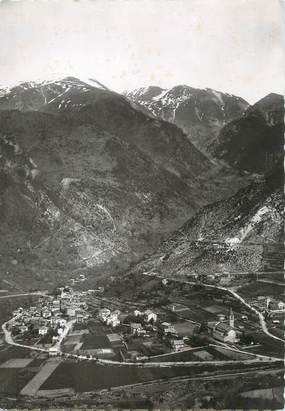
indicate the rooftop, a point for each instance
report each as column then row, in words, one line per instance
column 223, row 327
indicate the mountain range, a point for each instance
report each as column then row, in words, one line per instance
column 92, row 181
column 222, row 126
column 201, row 113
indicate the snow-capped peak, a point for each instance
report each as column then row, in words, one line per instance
column 58, row 79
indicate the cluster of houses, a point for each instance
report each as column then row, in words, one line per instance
column 146, row 321
column 149, row 315
column 144, row 318
column 109, row 317
column 51, row 313
column 269, row 304
column 114, row 318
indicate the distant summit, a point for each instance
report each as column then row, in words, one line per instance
column 32, row 95
column 201, row 113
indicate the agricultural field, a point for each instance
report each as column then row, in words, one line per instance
column 9, row 353
column 31, row 388
column 207, row 353
column 89, row 340
column 12, row 380
column 89, row 376
column 266, row 345
column 185, row 328
column 17, row 368
column 16, row 363
column 96, row 337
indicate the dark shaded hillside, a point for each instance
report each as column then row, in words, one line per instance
column 78, row 196
column 254, row 142
column 164, row 143
column 91, row 184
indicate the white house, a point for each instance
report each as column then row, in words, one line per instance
column 150, row 315
column 53, row 351
column 281, row 305
column 137, row 329
column 62, row 322
column 113, row 322
column 113, row 319
column 177, row 345
column 137, row 313
column 43, row 330
column 46, row 313
column 56, row 303
column 60, row 331
column 168, row 328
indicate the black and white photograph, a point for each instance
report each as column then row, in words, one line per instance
column 142, row 205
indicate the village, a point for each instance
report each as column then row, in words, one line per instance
column 142, row 328
column 65, row 318
column 86, row 323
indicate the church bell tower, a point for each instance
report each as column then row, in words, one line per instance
column 231, row 318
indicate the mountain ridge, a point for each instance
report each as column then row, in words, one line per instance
column 200, row 113
column 239, row 235
column 91, row 184
column 92, row 187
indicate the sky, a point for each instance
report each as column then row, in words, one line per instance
column 235, row 46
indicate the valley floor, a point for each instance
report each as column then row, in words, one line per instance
column 100, row 363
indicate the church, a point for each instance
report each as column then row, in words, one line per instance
column 226, row 332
